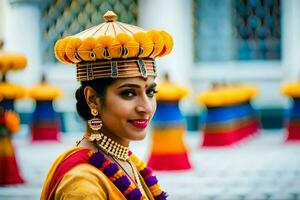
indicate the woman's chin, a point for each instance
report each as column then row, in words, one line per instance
column 139, row 136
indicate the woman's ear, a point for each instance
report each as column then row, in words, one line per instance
column 91, row 97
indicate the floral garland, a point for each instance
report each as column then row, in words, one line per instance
column 122, row 182
column 149, row 178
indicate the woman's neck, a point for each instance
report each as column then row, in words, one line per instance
column 106, row 144
column 87, row 144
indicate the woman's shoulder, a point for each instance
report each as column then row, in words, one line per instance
column 86, row 172
column 63, row 163
column 84, row 180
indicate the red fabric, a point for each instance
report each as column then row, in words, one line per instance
column 45, row 134
column 169, row 162
column 66, row 165
column 250, row 129
column 257, row 125
column 228, row 138
column 9, row 171
column 293, row 133
column 45, row 124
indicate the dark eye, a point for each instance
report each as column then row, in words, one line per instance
column 151, row 92
column 128, row 93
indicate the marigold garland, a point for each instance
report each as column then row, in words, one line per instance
column 141, row 44
column 149, row 178
column 130, row 48
column 122, row 182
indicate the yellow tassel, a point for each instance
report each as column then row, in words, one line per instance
column 86, row 49
column 107, row 48
column 71, row 49
column 158, row 42
column 145, row 43
column 59, row 50
column 168, row 40
column 140, row 165
column 155, row 189
column 129, row 47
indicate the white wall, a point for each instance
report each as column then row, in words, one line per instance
column 291, row 39
column 174, row 17
column 23, row 36
column 3, row 16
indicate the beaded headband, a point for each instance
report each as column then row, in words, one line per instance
column 114, row 49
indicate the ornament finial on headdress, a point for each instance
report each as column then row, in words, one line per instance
column 110, row 16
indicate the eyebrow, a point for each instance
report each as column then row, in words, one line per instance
column 135, row 85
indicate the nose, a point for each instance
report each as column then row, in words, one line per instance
column 146, row 105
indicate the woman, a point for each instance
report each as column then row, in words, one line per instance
column 115, row 64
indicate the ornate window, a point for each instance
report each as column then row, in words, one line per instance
column 237, row 30
column 62, row 18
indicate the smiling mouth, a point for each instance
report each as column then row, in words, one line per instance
column 139, row 123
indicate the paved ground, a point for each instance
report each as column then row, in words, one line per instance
column 263, row 167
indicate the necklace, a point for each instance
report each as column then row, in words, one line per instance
column 122, row 182
column 135, row 173
column 116, row 175
column 109, row 146
column 79, row 141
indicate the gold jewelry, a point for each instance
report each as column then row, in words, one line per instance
column 78, row 142
column 109, row 146
column 95, row 123
column 135, row 173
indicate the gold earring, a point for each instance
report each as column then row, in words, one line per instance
column 95, row 123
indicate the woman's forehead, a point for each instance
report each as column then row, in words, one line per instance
column 140, row 81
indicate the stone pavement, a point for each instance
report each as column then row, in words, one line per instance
column 262, row 168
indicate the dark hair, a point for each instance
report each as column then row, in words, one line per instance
column 100, row 86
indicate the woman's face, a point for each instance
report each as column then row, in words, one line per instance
column 128, row 108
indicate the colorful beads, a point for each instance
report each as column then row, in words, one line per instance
column 122, row 182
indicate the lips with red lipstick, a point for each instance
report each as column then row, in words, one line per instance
column 139, row 123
